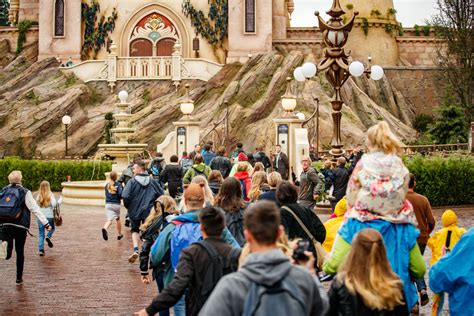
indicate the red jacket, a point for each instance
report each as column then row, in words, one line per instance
column 244, row 176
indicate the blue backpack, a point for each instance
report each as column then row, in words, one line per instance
column 244, row 189
column 10, row 203
column 155, row 168
column 183, row 235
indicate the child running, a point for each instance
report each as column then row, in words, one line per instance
column 113, row 196
column 47, row 202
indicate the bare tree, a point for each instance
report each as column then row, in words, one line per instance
column 454, row 25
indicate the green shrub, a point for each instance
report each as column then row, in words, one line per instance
column 444, row 181
column 56, row 172
column 422, row 122
column 417, row 29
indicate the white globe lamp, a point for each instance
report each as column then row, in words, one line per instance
column 186, row 108
column 301, row 116
column 356, row 68
column 376, row 72
column 288, row 104
column 309, row 70
column 66, row 120
column 298, row 74
column 123, row 96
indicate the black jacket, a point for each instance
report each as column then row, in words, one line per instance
column 343, row 303
column 309, row 218
column 173, row 173
column 191, row 269
column 148, row 237
column 139, row 195
column 281, row 165
column 222, row 164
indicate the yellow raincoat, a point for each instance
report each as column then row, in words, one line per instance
column 437, row 242
column 333, row 225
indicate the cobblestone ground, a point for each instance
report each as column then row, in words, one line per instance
column 83, row 274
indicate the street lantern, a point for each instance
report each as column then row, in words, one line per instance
column 288, row 100
column 187, row 106
column 66, row 120
column 123, row 96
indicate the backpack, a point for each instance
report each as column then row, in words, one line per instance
column 217, row 268
column 183, row 235
column 155, row 168
column 186, row 164
column 10, row 204
column 199, row 173
column 235, row 224
column 282, row 299
column 244, row 189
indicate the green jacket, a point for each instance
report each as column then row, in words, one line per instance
column 191, row 173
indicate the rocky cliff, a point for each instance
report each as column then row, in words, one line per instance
column 35, row 95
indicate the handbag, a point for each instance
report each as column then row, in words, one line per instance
column 58, row 219
column 320, row 251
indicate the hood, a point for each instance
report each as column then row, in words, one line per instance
column 143, row 179
column 191, row 216
column 242, row 157
column 390, row 165
column 267, row 267
column 449, row 218
column 200, row 167
column 341, row 207
column 159, row 159
column 241, row 175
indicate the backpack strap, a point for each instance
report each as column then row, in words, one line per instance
column 233, row 259
column 448, row 240
column 211, row 250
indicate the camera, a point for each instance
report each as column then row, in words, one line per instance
column 298, row 253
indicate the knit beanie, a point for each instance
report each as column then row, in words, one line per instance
column 242, row 157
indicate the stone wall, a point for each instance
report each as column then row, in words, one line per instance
column 418, row 85
column 28, row 10
column 11, row 35
column 417, row 50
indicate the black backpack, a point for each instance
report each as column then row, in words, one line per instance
column 282, row 299
column 217, row 268
column 235, row 225
column 10, row 204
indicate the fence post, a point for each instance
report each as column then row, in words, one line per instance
column 176, row 62
column 470, row 146
column 112, row 67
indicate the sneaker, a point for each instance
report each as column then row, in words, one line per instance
column 3, row 249
column 19, row 281
column 424, row 299
column 133, row 257
column 41, row 253
column 104, row 234
column 49, row 242
column 127, row 222
column 119, row 236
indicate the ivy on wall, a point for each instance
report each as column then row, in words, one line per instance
column 4, row 9
column 23, row 27
column 96, row 33
column 213, row 26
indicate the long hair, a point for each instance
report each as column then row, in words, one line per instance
column 229, row 197
column 259, row 178
column 380, row 137
column 44, row 194
column 258, row 167
column 164, row 204
column 111, row 182
column 208, row 195
column 367, row 272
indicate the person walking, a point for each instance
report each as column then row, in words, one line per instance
column 242, row 175
column 426, row 224
column 221, row 163
column 311, row 185
column 156, row 166
column 200, row 267
column 47, row 202
column 366, row 283
column 260, row 156
column 339, row 178
column 281, row 163
column 185, row 162
column 196, row 151
column 198, row 169
column 267, row 282
column 173, row 176
column 138, row 197
column 215, row 181
column 208, row 154
column 242, row 158
column 274, row 179
column 113, row 198
column 334, row 223
column 16, row 205
column 258, row 185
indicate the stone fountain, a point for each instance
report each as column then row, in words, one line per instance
column 92, row 192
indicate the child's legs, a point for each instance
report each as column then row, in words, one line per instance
column 40, row 236
column 118, row 222
column 53, row 228
column 107, row 224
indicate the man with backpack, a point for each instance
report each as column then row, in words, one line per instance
column 260, row 156
column 138, row 197
column 157, row 165
column 16, row 204
column 179, row 234
column 200, row 267
column 267, row 283
column 198, row 169
column 221, row 163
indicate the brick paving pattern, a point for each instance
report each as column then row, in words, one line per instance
column 85, row 275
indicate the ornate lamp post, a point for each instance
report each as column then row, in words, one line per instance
column 187, row 106
column 66, row 120
column 335, row 64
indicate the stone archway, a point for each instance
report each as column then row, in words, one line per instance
column 129, row 31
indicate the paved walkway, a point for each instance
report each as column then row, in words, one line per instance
column 83, row 274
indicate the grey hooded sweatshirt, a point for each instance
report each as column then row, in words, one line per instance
column 228, row 297
column 139, row 194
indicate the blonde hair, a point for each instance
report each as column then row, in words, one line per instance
column 208, row 195
column 15, row 177
column 274, row 179
column 258, row 179
column 44, row 194
column 327, row 164
column 111, row 182
column 366, row 272
column 242, row 166
column 381, row 138
column 168, row 205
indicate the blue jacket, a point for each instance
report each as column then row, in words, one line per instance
column 139, row 195
column 162, row 245
column 454, row 274
column 207, row 156
column 113, row 198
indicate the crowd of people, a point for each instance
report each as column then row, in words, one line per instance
column 239, row 234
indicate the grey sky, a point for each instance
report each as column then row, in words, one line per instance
column 409, row 12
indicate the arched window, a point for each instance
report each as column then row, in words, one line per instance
column 165, row 46
column 141, row 48
column 250, row 22
column 59, row 18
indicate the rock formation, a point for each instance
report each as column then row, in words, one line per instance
column 35, row 95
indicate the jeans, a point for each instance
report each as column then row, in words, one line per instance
column 420, row 283
column 161, row 286
column 41, row 233
column 180, row 307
